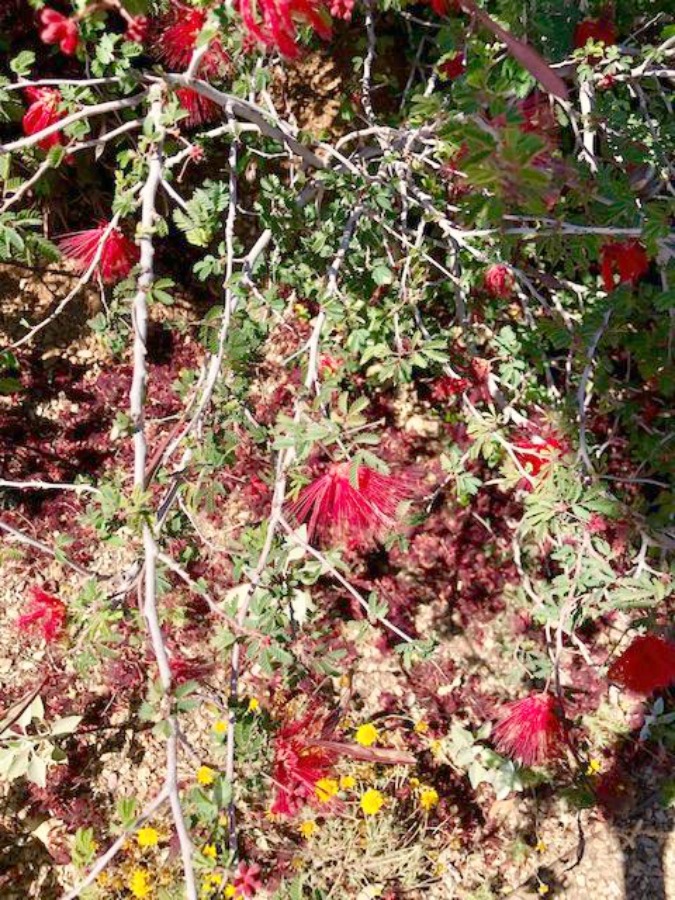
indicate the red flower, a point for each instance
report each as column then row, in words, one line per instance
column 342, row 9
column 43, row 112
column 334, row 507
column 453, row 67
column 444, row 7
column 247, row 880
column 328, row 365
column 628, row 260
column 596, row 30
column 58, row 29
column 535, row 453
column 298, row 766
column 199, row 108
column 118, row 256
column 178, row 38
column 446, row 387
column 530, row 730
column 647, row 665
column 499, row 281
column 273, row 22
column 45, row 612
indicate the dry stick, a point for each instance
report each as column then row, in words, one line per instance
column 296, row 539
column 251, row 113
column 49, row 486
column 114, row 848
column 82, row 281
column 582, row 398
column 137, row 413
column 242, row 611
column 27, row 185
column 366, row 80
column 44, row 548
column 275, row 519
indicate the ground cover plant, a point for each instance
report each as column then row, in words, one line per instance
column 336, row 451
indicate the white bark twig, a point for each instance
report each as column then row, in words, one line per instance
column 137, row 413
column 367, row 76
column 87, row 112
column 582, row 391
column 339, row 577
column 43, row 548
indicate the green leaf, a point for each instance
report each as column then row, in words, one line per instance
column 22, row 63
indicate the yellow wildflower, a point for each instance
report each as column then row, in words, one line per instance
column 436, row 748
column 308, row 828
column 325, row 789
column 414, row 782
column 347, row 782
column 594, row 766
column 543, row 890
column 139, row 883
column 205, row 775
column 230, row 890
column 209, row 850
column 541, row 847
column 366, row 735
column 421, row 727
column 147, row 836
column 428, row 798
column 372, row 802
column 215, row 879
column 253, row 704
column 220, row 727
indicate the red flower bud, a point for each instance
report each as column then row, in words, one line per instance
column 499, row 281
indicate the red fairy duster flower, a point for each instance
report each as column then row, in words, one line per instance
column 199, row 108
column 596, row 30
column 43, row 112
column 177, row 40
column 536, row 452
column 58, row 29
column 118, row 255
column 530, row 730
column 627, row 260
column 273, row 22
column 298, row 766
column 647, row 665
column 45, row 613
column 247, row 880
column 453, row 67
column 499, row 281
column 334, row 507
